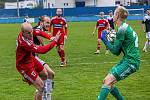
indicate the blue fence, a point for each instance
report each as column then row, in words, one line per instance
column 69, row 19
column 71, row 14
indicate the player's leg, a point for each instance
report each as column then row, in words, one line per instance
column 39, row 85
column 62, row 57
column 98, row 44
column 61, row 52
column 48, row 69
column 32, row 77
column 44, row 76
column 119, row 72
column 147, row 42
column 49, row 82
column 108, row 87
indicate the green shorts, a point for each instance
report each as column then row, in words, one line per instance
column 123, row 70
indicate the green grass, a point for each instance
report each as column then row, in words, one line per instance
column 82, row 79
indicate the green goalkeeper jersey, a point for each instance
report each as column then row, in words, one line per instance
column 127, row 42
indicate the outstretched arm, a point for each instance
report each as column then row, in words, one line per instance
column 41, row 33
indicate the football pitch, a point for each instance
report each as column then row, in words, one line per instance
column 82, row 78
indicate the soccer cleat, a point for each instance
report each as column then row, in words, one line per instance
column 107, row 52
column 144, row 50
column 97, row 52
column 63, row 64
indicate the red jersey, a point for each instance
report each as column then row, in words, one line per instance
column 101, row 25
column 25, row 47
column 58, row 24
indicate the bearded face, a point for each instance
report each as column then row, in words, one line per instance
column 59, row 12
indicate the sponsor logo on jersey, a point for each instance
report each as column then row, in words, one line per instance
column 58, row 26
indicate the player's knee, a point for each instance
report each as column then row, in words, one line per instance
column 51, row 74
column 61, row 47
column 44, row 75
column 109, row 81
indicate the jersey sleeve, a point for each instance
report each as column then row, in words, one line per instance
column 115, row 47
column 41, row 33
column 29, row 46
column 43, row 49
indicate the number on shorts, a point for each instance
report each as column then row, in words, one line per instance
column 33, row 73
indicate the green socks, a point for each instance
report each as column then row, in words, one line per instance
column 104, row 92
column 115, row 92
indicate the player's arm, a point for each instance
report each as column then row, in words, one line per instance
column 66, row 30
column 95, row 28
column 41, row 33
column 115, row 47
column 41, row 49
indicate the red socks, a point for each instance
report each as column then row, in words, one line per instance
column 62, row 55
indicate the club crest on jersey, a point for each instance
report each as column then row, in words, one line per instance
column 61, row 22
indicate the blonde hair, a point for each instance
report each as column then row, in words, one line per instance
column 123, row 12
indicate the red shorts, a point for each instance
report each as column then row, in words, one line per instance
column 30, row 73
column 61, row 40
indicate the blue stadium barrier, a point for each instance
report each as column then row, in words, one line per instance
column 79, row 11
column 71, row 14
column 69, row 19
column 11, row 20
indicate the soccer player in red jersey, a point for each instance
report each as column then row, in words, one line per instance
column 29, row 67
column 101, row 25
column 58, row 23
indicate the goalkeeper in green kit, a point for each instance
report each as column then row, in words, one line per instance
column 126, row 41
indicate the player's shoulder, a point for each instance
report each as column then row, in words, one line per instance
column 55, row 17
column 62, row 18
column 106, row 20
column 101, row 20
column 36, row 31
column 147, row 17
column 123, row 28
column 98, row 20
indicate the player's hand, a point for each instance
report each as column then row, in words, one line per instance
column 65, row 36
column 104, row 37
column 52, row 38
column 57, row 36
column 49, row 33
